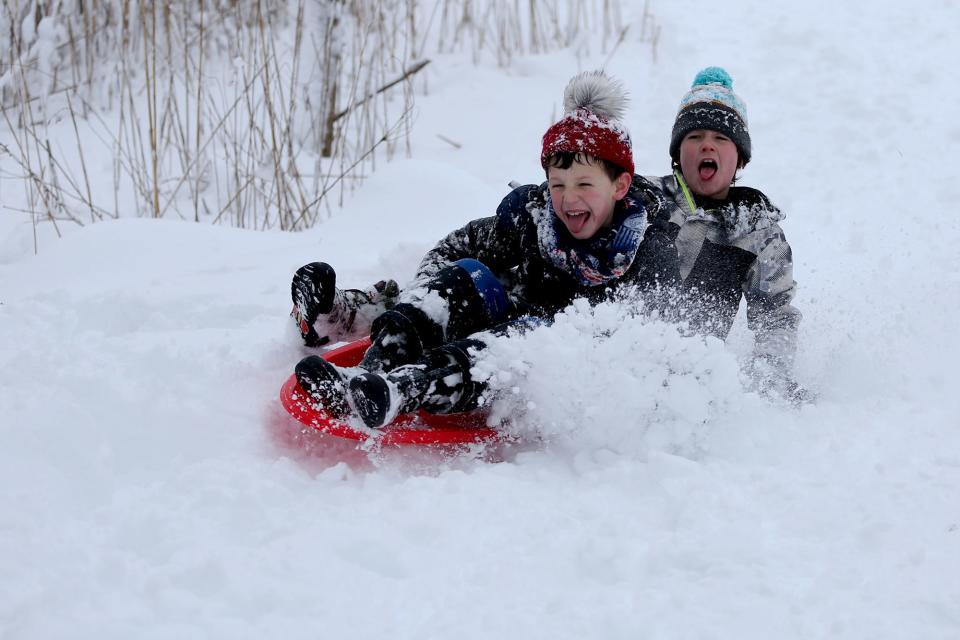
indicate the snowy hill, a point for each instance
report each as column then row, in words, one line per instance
column 151, row 486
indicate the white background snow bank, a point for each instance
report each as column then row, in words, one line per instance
column 151, row 486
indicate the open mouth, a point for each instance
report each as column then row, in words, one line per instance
column 576, row 219
column 707, row 169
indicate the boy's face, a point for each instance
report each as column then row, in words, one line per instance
column 708, row 161
column 584, row 197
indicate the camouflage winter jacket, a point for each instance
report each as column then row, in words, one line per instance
column 508, row 244
column 733, row 249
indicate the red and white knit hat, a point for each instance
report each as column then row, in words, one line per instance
column 593, row 108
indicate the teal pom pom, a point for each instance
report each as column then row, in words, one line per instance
column 713, row 75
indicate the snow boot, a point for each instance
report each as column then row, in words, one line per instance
column 338, row 314
column 313, row 290
column 439, row 383
column 325, row 383
column 400, row 336
column 380, row 398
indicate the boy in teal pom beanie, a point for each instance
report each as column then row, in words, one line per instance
column 729, row 241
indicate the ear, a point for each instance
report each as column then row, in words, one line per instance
column 622, row 184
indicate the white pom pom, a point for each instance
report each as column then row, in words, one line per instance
column 597, row 93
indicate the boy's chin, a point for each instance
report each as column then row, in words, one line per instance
column 711, row 189
column 711, row 186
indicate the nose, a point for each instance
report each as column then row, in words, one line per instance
column 573, row 196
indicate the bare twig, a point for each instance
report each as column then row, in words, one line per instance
column 406, row 74
column 83, row 163
column 455, row 145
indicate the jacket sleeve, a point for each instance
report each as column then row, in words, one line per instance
column 494, row 241
column 769, row 290
column 659, row 264
column 658, row 268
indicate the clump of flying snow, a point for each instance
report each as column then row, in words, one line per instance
column 606, row 376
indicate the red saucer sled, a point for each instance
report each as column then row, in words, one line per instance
column 419, row 428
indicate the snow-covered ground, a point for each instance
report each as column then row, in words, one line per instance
column 152, row 487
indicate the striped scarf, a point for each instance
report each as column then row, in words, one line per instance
column 604, row 257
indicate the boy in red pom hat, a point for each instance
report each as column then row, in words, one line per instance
column 590, row 229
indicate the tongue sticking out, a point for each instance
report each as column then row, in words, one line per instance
column 707, row 171
column 575, row 224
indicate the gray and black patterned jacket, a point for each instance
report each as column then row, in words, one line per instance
column 735, row 249
column 507, row 243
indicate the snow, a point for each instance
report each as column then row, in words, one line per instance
column 151, row 486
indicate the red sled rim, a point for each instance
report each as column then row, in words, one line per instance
column 419, row 428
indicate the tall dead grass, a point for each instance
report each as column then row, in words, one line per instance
column 255, row 113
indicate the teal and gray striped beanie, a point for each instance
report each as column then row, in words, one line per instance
column 712, row 104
